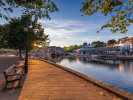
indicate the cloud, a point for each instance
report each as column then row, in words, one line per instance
column 61, row 23
column 72, row 41
column 68, row 31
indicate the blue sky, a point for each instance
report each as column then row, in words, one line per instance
column 67, row 27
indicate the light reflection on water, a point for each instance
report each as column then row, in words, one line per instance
column 114, row 72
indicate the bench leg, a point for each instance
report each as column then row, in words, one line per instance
column 19, row 83
column 23, row 72
column 5, row 86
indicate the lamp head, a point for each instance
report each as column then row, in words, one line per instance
column 26, row 28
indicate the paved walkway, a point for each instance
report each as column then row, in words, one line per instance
column 48, row 82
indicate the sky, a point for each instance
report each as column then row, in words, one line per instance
column 67, row 27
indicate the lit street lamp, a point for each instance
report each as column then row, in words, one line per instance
column 35, row 49
column 26, row 28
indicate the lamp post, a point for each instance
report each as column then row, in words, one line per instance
column 26, row 28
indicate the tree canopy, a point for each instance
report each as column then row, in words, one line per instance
column 38, row 8
column 12, row 34
column 99, row 44
column 121, row 12
column 85, row 44
column 71, row 48
column 111, row 42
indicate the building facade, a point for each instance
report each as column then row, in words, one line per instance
column 54, row 49
column 125, row 45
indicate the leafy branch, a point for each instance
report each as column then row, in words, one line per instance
column 120, row 10
column 37, row 8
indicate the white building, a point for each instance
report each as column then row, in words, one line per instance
column 125, row 45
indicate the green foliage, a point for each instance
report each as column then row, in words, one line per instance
column 40, row 39
column 38, row 8
column 85, row 44
column 71, row 48
column 111, row 42
column 13, row 34
column 99, row 44
column 2, row 40
column 121, row 13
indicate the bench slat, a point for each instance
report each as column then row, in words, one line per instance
column 10, row 69
column 20, row 71
column 15, row 77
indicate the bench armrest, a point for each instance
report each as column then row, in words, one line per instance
column 13, row 75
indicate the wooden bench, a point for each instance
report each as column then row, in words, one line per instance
column 12, row 74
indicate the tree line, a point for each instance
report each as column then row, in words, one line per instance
column 95, row 44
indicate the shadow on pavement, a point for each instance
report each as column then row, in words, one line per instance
column 12, row 94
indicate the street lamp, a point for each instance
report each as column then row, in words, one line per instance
column 35, row 49
column 26, row 28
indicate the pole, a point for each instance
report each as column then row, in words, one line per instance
column 26, row 54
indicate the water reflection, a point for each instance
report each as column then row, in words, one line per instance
column 118, row 73
column 126, row 66
column 70, row 59
column 123, row 65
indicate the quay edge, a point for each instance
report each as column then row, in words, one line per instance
column 120, row 93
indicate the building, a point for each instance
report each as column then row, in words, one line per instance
column 46, row 53
column 54, row 49
column 125, row 45
column 98, row 50
column 75, row 50
column 85, row 49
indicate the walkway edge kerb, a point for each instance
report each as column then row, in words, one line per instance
column 120, row 93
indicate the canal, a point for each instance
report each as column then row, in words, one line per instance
column 113, row 72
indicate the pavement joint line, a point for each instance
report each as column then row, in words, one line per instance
column 120, row 93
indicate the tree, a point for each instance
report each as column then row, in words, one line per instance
column 71, row 48
column 14, row 35
column 42, row 40
column 121, row 12
column 38, row 8
column 2, row 42
column 85, row 44
column 98, row 44
column 111, row 42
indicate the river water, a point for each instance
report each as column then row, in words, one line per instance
column 114, row 72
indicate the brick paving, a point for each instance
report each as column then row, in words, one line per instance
column 48, row 82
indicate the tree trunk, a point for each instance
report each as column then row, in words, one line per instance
column 20, row 55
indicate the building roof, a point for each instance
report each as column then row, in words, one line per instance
column 122, row 40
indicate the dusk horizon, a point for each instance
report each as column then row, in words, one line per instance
column 67, row 27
